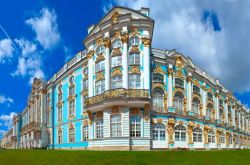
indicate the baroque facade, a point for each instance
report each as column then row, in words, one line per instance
column 122, row 94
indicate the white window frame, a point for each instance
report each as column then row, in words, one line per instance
column 134, row 80
column 72, row 135
column 197, row 135
column 100, row 66
column 99, row 128
column 116, row 61
column 100, row 87
column 135, row 126
column 85, row 135
column 116, row 125
column 180, row 133
column 159, row 132
column 116, row 82
column 134, row 58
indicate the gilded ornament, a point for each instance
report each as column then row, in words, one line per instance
column 170, row 71
column 106, row 42
column 179, row 62
column 146, row 111
column 134, row 70
column 180, row 122
column 134, row 31
column 159, row 120
column 116, row 52
column 114, row 17
column 115, row 109
column 124, row 37
column 134, row 49
column 90, row 54
column 158, row 85
column 146, row 41
column 179, row 74
column 189, row 78
column 85, row 92
column 99, row 76
column 99, row 41
column 116, row 72
column 170, row 130
column 135, row 111
column 99, row 114
column 196, row 82
column 100, row 58
column 159, row 70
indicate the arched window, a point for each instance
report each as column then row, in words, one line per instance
column 85, row 134
column 116, row 44
column 72, row 135
column 179, row 83
column 135, row 126
column 209, row 96
column 100, row 49
column 116, row 82
column 59, row 113
column 159, row 132
column 221, row 103
column 59, row 93
column 116, row 61
column 222, row 138
column 196, row 90
column 180, row 133
column 134, row 41
column 116, row 125
column 221, row 115
column 178, row 102
column 158, row 98
column 99, row 128
column 195, row 105
column 209, row 111
column 134, row 59
column 158, row 78
column 59, row 136
column 211, row 137
column 197, row 135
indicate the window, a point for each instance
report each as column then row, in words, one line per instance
column 222, row 138
column 134, row 41
column 211, row 137
column 85, row 135
column 158, row 98
column 179, row 83
column 210, row 96
column 209, row 111
column 230, row 139
column 134, row 81
column 100, row 66
column 85, row 71
column 116, row 61
column 135, row 126
column 180, row 133
column 134, row 59
column 158, row 78
column 221, row 103
column 100, row 87
column 85, row 84
column 116, row 44
column 116, row 82
column 48, row 117
column 99, row 128
column 72, row 135
column 196, row 90
column 100, row 49
column 221, row 114
column 195, row 105
column 71, row 108
column 116, row 126
column 60, row 113
column 71, row 80
column 178, row 102
column 59, row 93
column 159, row 132
column 59, row 136
column 197, row 135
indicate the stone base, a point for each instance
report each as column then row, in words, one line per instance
column 110, row 148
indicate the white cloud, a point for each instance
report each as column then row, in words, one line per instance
column 4, row 100
column 26, row 46
column 7, row 119
column 46, row 28
column 180, row 25
column 6, row 50
column 68, row 53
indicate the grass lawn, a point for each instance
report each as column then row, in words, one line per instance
column 53, row 157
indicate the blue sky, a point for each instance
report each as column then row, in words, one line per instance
column 37, row 39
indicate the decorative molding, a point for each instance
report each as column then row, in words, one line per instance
column 124, row 37
column 99, row 114
column 135, row 111
column 159, row 70
column 179, row 63
column 114, row 17
column 134, row 70
column 115, row 109
column 146, row 41
column 179, row 74
column 116, row 72
column 99, row 76
column 100, row 58
column 90, row 54
column 107, row 42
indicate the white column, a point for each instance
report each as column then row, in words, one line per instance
column 90, row 76
column 170, row 85
column 146, row 66
column 106, row 123
column 189, row 90
column 243, row 125
column 233, row 116
column 204, row 99
column 226, row 112
column 125, row 58
column 217, row 109
column 107, row 61
column 239, row 118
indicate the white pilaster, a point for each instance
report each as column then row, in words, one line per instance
column 233, row 116
column 125, row 59
column 217, row 109
column 106, row 124
column 146, row 66
column 204, row 99
column 189, row 90
column 107, row 61
column 226, row 112
column 170, row 85
column 90, row 77
column 239, row 118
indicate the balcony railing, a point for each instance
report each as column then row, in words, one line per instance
column 30, row 126
column 117, row 93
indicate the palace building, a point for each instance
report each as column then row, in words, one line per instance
column 122, row 94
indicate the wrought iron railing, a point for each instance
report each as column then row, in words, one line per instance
column 117, row 93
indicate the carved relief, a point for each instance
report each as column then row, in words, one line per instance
column 114, row 17
column 179, row 74
column 99, row 76
column 159, row 70
column 135, row 111
column 146, row 41
column 190, row 132
column 106, row 42
column 99, row 114
column 146, row 111
column 90, row 54
column 170, row 130
column 115, row 109
column 116, row 72
column 100, row 58
column 179, row 62
column 124, row 37
column 134, row 70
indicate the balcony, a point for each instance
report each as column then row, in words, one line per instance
column 31, row 126
column 118, row 96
